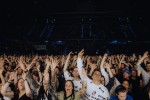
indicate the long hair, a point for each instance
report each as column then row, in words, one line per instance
column 42, row 93
column 72, row 94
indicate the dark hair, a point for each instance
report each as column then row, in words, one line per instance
column 120, row 88
column 147, row 63
column 71, row 70
column 104, row 78
column 148, row 87
column 35, row 73
column 41, row 93
column 125, row 80
column 96, row 70
column 72, row 94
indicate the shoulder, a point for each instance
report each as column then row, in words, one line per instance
column 129, row 97
column 103, row 87
column 113, row 98
column 77, row 96
column 60, row 94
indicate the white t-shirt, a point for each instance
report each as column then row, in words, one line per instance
column 77, row 83
column 93, row 91
column 96, row 92
column 7, row 98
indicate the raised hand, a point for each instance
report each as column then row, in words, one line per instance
column 84, row 73
column 24, row 76
column 80, row 54
column 106, row 65
column 139, row 72
column 1, row 62
column 20, row 63
column 12, row 76
column 145, row 54
column 54, row 63
column 38, row 66
column 1, row 71
column 93, row 66
column 105, row 55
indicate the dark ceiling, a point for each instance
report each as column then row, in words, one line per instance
column 74, row 24
column 70, row 19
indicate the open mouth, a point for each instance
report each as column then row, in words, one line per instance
column 68, row 89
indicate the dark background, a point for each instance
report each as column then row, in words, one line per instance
column 113, row 26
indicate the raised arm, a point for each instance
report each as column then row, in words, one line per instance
column 54, row 63
column 46, row 71
column 28, row 66
column 145, row 75
column 104, row 73
column 80, row 63
column 27, row 88
column 1, row 76
column 67, row 62
column 107, row 66
column 122, row 59
column 4, row 88
column 39, row 72
column 93, row 67
column 15, row 77
column 142, row 59
column 84, row 83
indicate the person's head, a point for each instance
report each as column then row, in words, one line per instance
column 96, row 75
column 133, row 73
column 45, row 84
column 122, row 65
column 9, row 68
column 35, row 76
column 126, row 73
column 57, row 70
column 69, row 86
column 141, row 83
column 21, row 85
column 75, row 72
column 102, row 80
column 148, row 66
column 20, row 71
column 126, row 84
column 121, row 92
column 7, row 74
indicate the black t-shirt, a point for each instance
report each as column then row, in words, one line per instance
column 24, row 97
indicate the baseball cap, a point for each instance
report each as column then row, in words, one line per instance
column 126, row 70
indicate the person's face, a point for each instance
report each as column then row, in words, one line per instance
column 122, row 95
column 7, row 74
column 133, row 73
column 122, row 66
column 13, row 64
column 20, row 71
column 75, row 72
column 126, row 75
column 21, row 84
column 44, row 83
column 148, row 67
column 102, row 80
column 126, row 84
column 96, row 76
column 56, row 71
column 35, row 78
column 141, row 83
column 9, row 68
column 68, row 86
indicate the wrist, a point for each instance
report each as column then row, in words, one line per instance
column 38, row 70
column 25, row 79
column 25, row 71
column 9, row 81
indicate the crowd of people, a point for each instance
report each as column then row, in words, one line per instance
column 75, row 77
